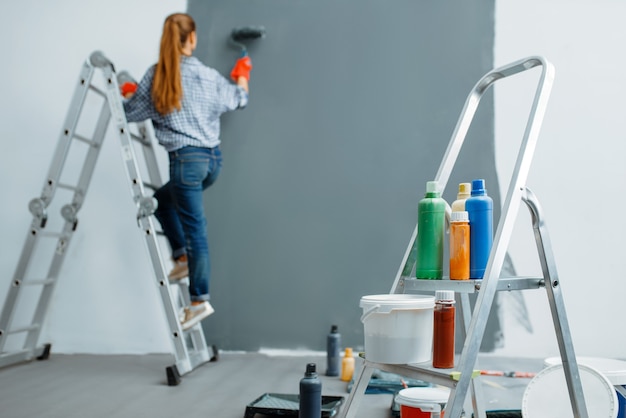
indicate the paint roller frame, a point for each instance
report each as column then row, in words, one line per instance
column 246, row 33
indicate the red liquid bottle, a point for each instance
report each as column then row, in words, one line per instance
column 443, row 336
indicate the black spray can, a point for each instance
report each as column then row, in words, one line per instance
column 310, row 394
column 333, row 350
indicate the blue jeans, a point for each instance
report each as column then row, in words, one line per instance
column 181, row 213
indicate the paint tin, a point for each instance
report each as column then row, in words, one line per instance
column 428, row 402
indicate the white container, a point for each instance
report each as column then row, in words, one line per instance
column 546, row 396
column 428, row 402
column 614, row 370
column 398, row 328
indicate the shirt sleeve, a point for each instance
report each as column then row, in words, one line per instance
column 231, row 95
column 140, row 107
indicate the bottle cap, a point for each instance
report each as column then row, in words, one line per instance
column 334, row 329
column 444, row 295
column 478, row 187
column 348, row 352
column 464, row 190
column 432, row 187
column 310, row 369
column 460, row 216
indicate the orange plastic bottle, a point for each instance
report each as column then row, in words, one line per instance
column 347, row 365
column 459, row 246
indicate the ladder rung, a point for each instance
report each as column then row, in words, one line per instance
column 139, row 138
column 31, row 327
column 150, row 186
column 84, row 139
column 67, row 186
column 50, row 234
column 97, row 90
column 37, row 282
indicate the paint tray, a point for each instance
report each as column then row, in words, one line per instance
column 282, row 405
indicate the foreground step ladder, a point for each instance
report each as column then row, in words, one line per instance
column 190, row 348
column 461, row 380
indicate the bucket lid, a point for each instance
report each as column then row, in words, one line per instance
column 388, row 302
column 429, row 398
column 614, row 370
column 546, row 396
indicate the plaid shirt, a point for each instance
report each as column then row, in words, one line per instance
column 206, row 95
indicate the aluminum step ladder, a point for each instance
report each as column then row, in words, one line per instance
column 189, row 347
column 463, row 378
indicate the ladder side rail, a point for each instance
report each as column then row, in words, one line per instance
column 69, row 212
column 476, row 387
column 477, row 326
column 147, row 146
column 473, row 100
column 460, row 131
column 181, row 352
column 38, row 205
column 187, row 358
column 143, row 218
column 91, row 158
column 557, row 306
column 407, row 264
column 146, row 131
column 507, row 220
column 12, row 296
column 351, row 406
column 69, row 128
column 13, row 357
column 48, row 289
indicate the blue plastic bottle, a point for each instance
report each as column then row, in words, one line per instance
column 431, row 223
column 480, row 209
column 310, row 394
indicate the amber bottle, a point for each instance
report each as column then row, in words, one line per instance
column 443, row 333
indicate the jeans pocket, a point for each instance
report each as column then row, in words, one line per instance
column 193, row 170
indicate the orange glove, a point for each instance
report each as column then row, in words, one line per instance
column 128, row 89
column 242, row 68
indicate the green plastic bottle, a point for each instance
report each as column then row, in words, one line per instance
column 431, row 222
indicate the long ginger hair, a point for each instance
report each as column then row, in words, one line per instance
column 167, row 86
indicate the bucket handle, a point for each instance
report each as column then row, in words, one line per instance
column 370, row 311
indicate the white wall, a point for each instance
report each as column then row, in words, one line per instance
column 578, row 172
column 106, row 301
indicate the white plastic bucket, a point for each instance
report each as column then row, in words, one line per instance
column 546, row 396
column 422, row 402
column 398, row 328
column 614, row 370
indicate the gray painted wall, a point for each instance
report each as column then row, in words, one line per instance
column 352, row 106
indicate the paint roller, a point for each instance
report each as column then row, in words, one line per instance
column 239, row 36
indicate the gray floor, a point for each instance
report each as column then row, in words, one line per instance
column 135, row 386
